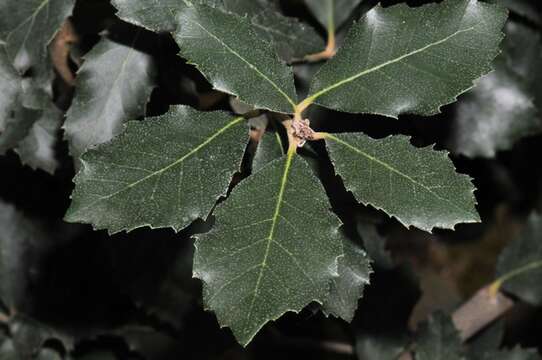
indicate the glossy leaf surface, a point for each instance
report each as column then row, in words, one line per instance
column 269, row 148
column 400, row 60
column 274, row 248
column 163, row 172
column 418, row 186
column 228, row 51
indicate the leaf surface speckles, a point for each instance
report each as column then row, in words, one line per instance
column 227, row 50
column 400, row 60
column 274, row 248
column 418, row 186
column 162, row 172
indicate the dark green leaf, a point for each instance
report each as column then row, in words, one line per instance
column 270, row 147
column 28, row 26
column 291, row 38
column 113, row 86
column 438, row 339
column 400, row 60
column 274, row 248
column 347, row 289
column 163, row 172
column 519, row 268
column 418, row 186
column 332, row 13
column 494, row 115
column 228, row 51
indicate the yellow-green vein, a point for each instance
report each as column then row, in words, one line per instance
column 274, row 221
column 303, row 105
column 250, row 65
column 497, row 284
column 232, row 123
column 390, row 168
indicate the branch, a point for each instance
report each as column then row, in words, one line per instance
column 60, row 51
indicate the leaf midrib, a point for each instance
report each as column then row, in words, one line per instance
column 270, row 237
column 316, row 95
column 392, row 169
column 234, row 122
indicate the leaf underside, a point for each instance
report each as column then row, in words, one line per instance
column 418, row 186
column 411, row 60
column 162, row 172
column 274, row 248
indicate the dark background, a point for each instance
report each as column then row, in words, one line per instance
column 132, row 295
